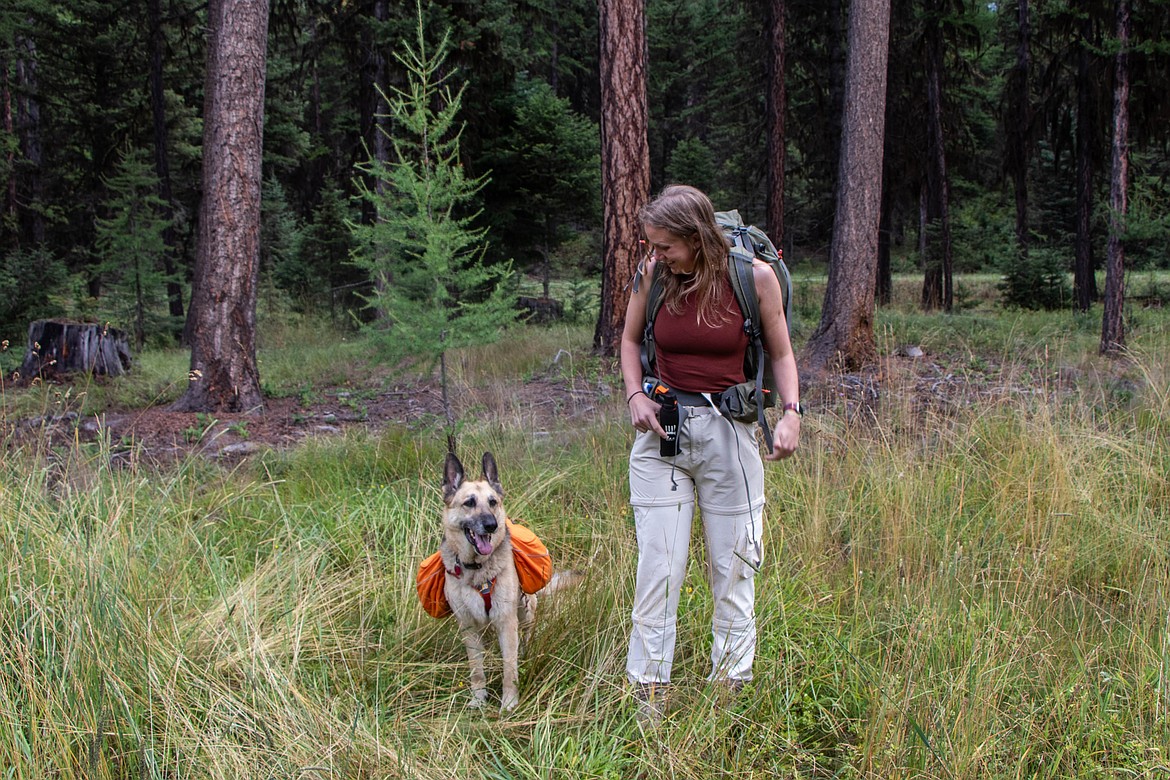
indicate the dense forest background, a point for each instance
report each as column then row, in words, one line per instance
column 101, row 107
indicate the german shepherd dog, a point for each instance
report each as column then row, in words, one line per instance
column 481, row 584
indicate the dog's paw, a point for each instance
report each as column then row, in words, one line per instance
column 479, row 697
column 509, row 703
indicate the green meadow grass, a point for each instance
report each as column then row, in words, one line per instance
column 975, row 587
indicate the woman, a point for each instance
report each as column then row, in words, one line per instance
column 700, row 344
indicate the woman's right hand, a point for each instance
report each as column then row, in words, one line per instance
column 644, row 414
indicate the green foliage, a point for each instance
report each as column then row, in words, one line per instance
column 311, row 262
column 545, row 186
column 281, row 241
column 1147, row 225
column 1037, row 281
column 704, row 98
column 29, row 280
column 982, row 229
column 693, row 162
column 432, row 291
column 131, row 246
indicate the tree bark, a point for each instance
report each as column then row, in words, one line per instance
column 1084, row 278
column 625, row 159
column 1112, row 323
column 845, row 337
column 222, row 319
column 777, row 107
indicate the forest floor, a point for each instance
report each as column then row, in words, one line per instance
column 156, row 434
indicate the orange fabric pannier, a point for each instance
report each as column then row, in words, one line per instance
column 429, row 583
column 533, row 566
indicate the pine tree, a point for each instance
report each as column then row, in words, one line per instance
column 432, row 289
column 131, row 244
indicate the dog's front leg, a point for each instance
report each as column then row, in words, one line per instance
column 509, row 632
column 473, row 641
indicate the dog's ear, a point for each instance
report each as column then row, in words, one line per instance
column 452, row 476
column 491, row 473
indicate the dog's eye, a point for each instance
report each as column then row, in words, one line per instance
column 470, row 502
column 493, row 502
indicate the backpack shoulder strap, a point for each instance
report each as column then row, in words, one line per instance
column 743, row 284
column 654, row 298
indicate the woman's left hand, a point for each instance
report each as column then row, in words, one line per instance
column 785, row 437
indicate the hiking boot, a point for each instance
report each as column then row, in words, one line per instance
column 651, row 699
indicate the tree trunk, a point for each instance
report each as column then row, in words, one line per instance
column 1084, row 278
column 838, row 13
column 162, row 167
column 1112, row 324
column 224, row 375
column 375, row 125
column 845, row 337
column 28, row 128
column 1022, row 117
column 625, row 160
column 777, row 106
column 57, row 347
column 937, row 287
column 9, row 210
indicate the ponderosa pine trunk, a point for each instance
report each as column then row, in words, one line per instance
column 845, row 337
column 1112, row 323
column 625, row 160
column 222, row 318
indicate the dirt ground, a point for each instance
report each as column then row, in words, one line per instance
column 919, row 382
column 159, row 435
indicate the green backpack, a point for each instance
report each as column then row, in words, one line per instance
column 747, row 242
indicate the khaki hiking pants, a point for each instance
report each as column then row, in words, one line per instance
column 719, row 466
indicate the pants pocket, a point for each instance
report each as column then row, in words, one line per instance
column 749, row 549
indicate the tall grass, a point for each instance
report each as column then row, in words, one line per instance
column 968, row 577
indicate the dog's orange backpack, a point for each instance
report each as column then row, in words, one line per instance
column 429, row 583
column 533, row 563
column 533, row 567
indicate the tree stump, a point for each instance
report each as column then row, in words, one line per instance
column 57, row 347
column 541, row 311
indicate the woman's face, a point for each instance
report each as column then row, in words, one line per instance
column 677, row 253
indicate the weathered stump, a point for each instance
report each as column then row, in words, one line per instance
column 540, row 311
column 57, row 347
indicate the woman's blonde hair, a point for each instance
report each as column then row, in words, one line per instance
column 684, row 211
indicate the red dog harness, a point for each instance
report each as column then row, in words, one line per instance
column 485, row 590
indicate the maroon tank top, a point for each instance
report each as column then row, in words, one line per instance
column 699, row 357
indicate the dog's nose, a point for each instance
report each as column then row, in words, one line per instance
column 490, row 524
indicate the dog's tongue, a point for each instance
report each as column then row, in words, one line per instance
column 483, row 544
